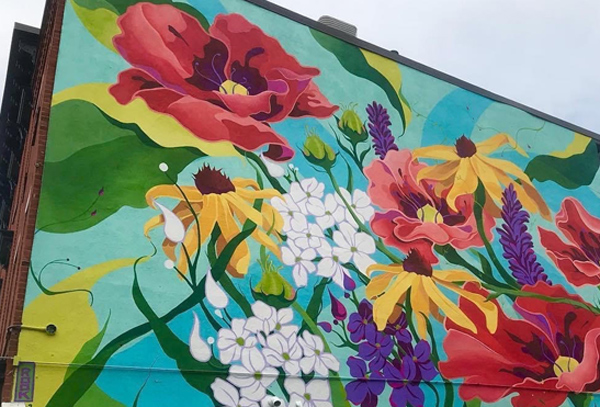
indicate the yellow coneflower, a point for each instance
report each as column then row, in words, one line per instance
column 415, row 273
column 467, row 163
column 216, row 200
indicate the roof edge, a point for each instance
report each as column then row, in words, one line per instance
column 27, row 28
column 299, row 18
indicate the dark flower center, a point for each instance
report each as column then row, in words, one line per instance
column 465, row 148
column 416, row 263
column 212, row 181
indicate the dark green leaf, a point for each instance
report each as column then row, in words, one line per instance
column 571, row 172
column 117, row 159
column 88, row 350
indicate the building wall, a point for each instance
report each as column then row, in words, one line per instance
column 236, row 206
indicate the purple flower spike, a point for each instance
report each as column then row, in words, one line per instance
column 516, row 241
column 326, row 326
column 365, row 389
column 361, row 322
column 349, row 284
column 337, row 308
column 379, row 129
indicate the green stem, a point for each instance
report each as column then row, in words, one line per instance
column 435, row 357
column 363, row 228
column 527, row 294
column 478, row 212
column 272, row 180
column 236, row 295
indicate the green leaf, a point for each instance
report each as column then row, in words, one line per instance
column 473, row 403
column 88, row 350
column 569, row 172
column 383, row 72
column 94, row 397
column 101, row 155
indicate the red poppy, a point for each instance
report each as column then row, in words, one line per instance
column 552, row 351
column 222, row 85
column 415, row 214
column 579, row 258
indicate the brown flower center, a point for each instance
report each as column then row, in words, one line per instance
column 465, row 148
column 416, row 263
column 212, row 181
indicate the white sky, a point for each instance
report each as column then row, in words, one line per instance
column 542, row 53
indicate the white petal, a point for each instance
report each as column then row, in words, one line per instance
column 291, row 367
column 254, row 392
column 275, row 170
column 287, row 256
column 225, row 393
column 365, row 243
column 300, row 276
column 341, row 239
column 214, row 293
column 318, row 389
column 325, row 268
column 343, row 253
column 309, row 254
column 285, row 315
column 174, row 229
column 240, row 377
column 363, row 262
column 330, row 361
column 198, row 348
column 253, row 324
column 308, row 364
column 295, row 385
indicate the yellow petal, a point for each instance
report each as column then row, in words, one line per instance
column 493, row 143
column 243, row 210
column 191, row 246
column 419, row 301
column 533, row 193
column 488, row 308
column 451, row 276
column 487, row 177
column 153, row 223
column 438, row 152
column 260, row 194
column 505, row 166
column 465, row 182
column 208, row 216
column 392, row 268
column 168, row 246
column 244, row 183
column 378, row 284
column 440, row 172
column 450, row 309
column 262, row 238
column 240, row 261
column 272, row 219
column 171, row 191
column 384, row 305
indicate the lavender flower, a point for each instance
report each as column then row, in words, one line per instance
column 379, row 129
column 516, row 241
column 361, row 322
column 402, row 378
column 376, row 348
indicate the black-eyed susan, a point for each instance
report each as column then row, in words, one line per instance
column 390, row 288
column 215, row 200
column 467, row 164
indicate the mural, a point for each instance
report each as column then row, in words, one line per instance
column 235, row 206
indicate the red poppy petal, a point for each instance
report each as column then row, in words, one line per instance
column 573, row 218
column 212, row 123
column 313, row 103
column 536, row 394
column 241, row 36
column 587, row 371
column 130, row 82
column 163, row 41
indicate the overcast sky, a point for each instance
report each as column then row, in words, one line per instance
column 543, row 53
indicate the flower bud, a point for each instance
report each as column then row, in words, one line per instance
column 272, row 288
column 326, row 326
column 318, row 152
column 337, row 308
column 352, row 126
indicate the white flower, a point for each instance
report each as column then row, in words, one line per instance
column 226, row 394
column 280, row 351
column 315, row 393
column 315, row 359
column 253, row 376
column 301, row 260
column 174, row 229
column 269, row 320
column 334, row 212
column 198, row 348
column 307, row 195
column 353, row 246
column 215, row 294
column 311, row 235
column 293, row 218
column 330, row 265
column 274, row 169
column 360, row 203
column 235, row 342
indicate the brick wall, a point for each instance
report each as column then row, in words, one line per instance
column 25, row 204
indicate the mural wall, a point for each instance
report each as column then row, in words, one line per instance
column 236, row 206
